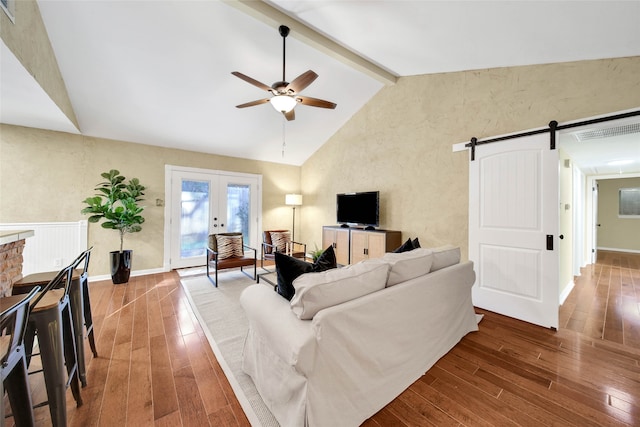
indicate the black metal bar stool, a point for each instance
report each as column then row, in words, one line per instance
column 80, row 305
column 88, row 318
column 50, row 319
column 13, row 362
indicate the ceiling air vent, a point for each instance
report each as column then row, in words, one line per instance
column 608, row 132
column 9, row 7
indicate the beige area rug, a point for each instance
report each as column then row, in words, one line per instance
column 219, row 312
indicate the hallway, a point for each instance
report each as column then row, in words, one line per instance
column 605, row 302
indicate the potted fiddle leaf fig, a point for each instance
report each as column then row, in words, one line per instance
column 116, row 204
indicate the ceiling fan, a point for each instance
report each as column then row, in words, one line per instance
column 286, row 95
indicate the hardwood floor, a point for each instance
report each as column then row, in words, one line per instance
column 606, row 300
column 155, row 366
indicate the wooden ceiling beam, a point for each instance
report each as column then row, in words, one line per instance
column 272, row 16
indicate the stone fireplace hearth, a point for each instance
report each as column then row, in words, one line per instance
column 11, row 248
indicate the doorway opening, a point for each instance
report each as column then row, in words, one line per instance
column 593, row 153
column 602, row 259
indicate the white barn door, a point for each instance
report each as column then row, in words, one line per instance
column 513, row 228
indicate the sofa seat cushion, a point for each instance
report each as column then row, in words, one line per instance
column 407, row 265
column 316, row 291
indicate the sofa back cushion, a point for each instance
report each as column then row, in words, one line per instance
column 316, row 291
column 407, row 265
column 445, row 256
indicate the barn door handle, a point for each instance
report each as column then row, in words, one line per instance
column 549, row 242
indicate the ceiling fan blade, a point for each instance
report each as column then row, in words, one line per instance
column 252, row 103
column 302, row 81
column 291, row 115
column 252, row 81
column 315, row 102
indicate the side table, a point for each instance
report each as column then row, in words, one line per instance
column 270, row 278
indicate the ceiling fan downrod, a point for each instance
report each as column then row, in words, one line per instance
column 284, row 32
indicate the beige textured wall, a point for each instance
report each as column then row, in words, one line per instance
column 400, row 142
column 28, row 40
column 614, row 232
column 44, row 176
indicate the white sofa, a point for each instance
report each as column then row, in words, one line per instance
column 347, row 360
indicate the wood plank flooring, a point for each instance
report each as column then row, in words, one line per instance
column 155, row 367
column 605, row 301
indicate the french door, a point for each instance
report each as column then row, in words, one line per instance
column 513, row 229
column 203, row 202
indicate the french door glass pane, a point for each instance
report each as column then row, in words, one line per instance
column 238, row 204
column 194, row 218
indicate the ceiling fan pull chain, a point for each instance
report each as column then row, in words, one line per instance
column 284, row 122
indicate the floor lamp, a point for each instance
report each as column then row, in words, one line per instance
column 293, row 200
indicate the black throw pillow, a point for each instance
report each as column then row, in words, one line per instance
column 326, row 260
column 289, row 268
column 406, row 246
column 416, row 243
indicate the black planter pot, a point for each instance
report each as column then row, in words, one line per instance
column 120, row 266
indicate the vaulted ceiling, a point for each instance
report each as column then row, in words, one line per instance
column 159, row 72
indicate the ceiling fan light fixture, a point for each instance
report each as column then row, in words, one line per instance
column 285, row 94
column 283, row 103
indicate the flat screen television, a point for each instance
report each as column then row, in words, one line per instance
column 358, row 208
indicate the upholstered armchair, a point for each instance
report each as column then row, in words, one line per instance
column 280, row 241
column 227, row 250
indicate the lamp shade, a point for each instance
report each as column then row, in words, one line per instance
column 283, row 103
column 293, row 199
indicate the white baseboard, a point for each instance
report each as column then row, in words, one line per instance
column 567, row 290
column 632, row 251
column 133, row 274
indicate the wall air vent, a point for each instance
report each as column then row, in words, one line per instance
column 608, row 132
